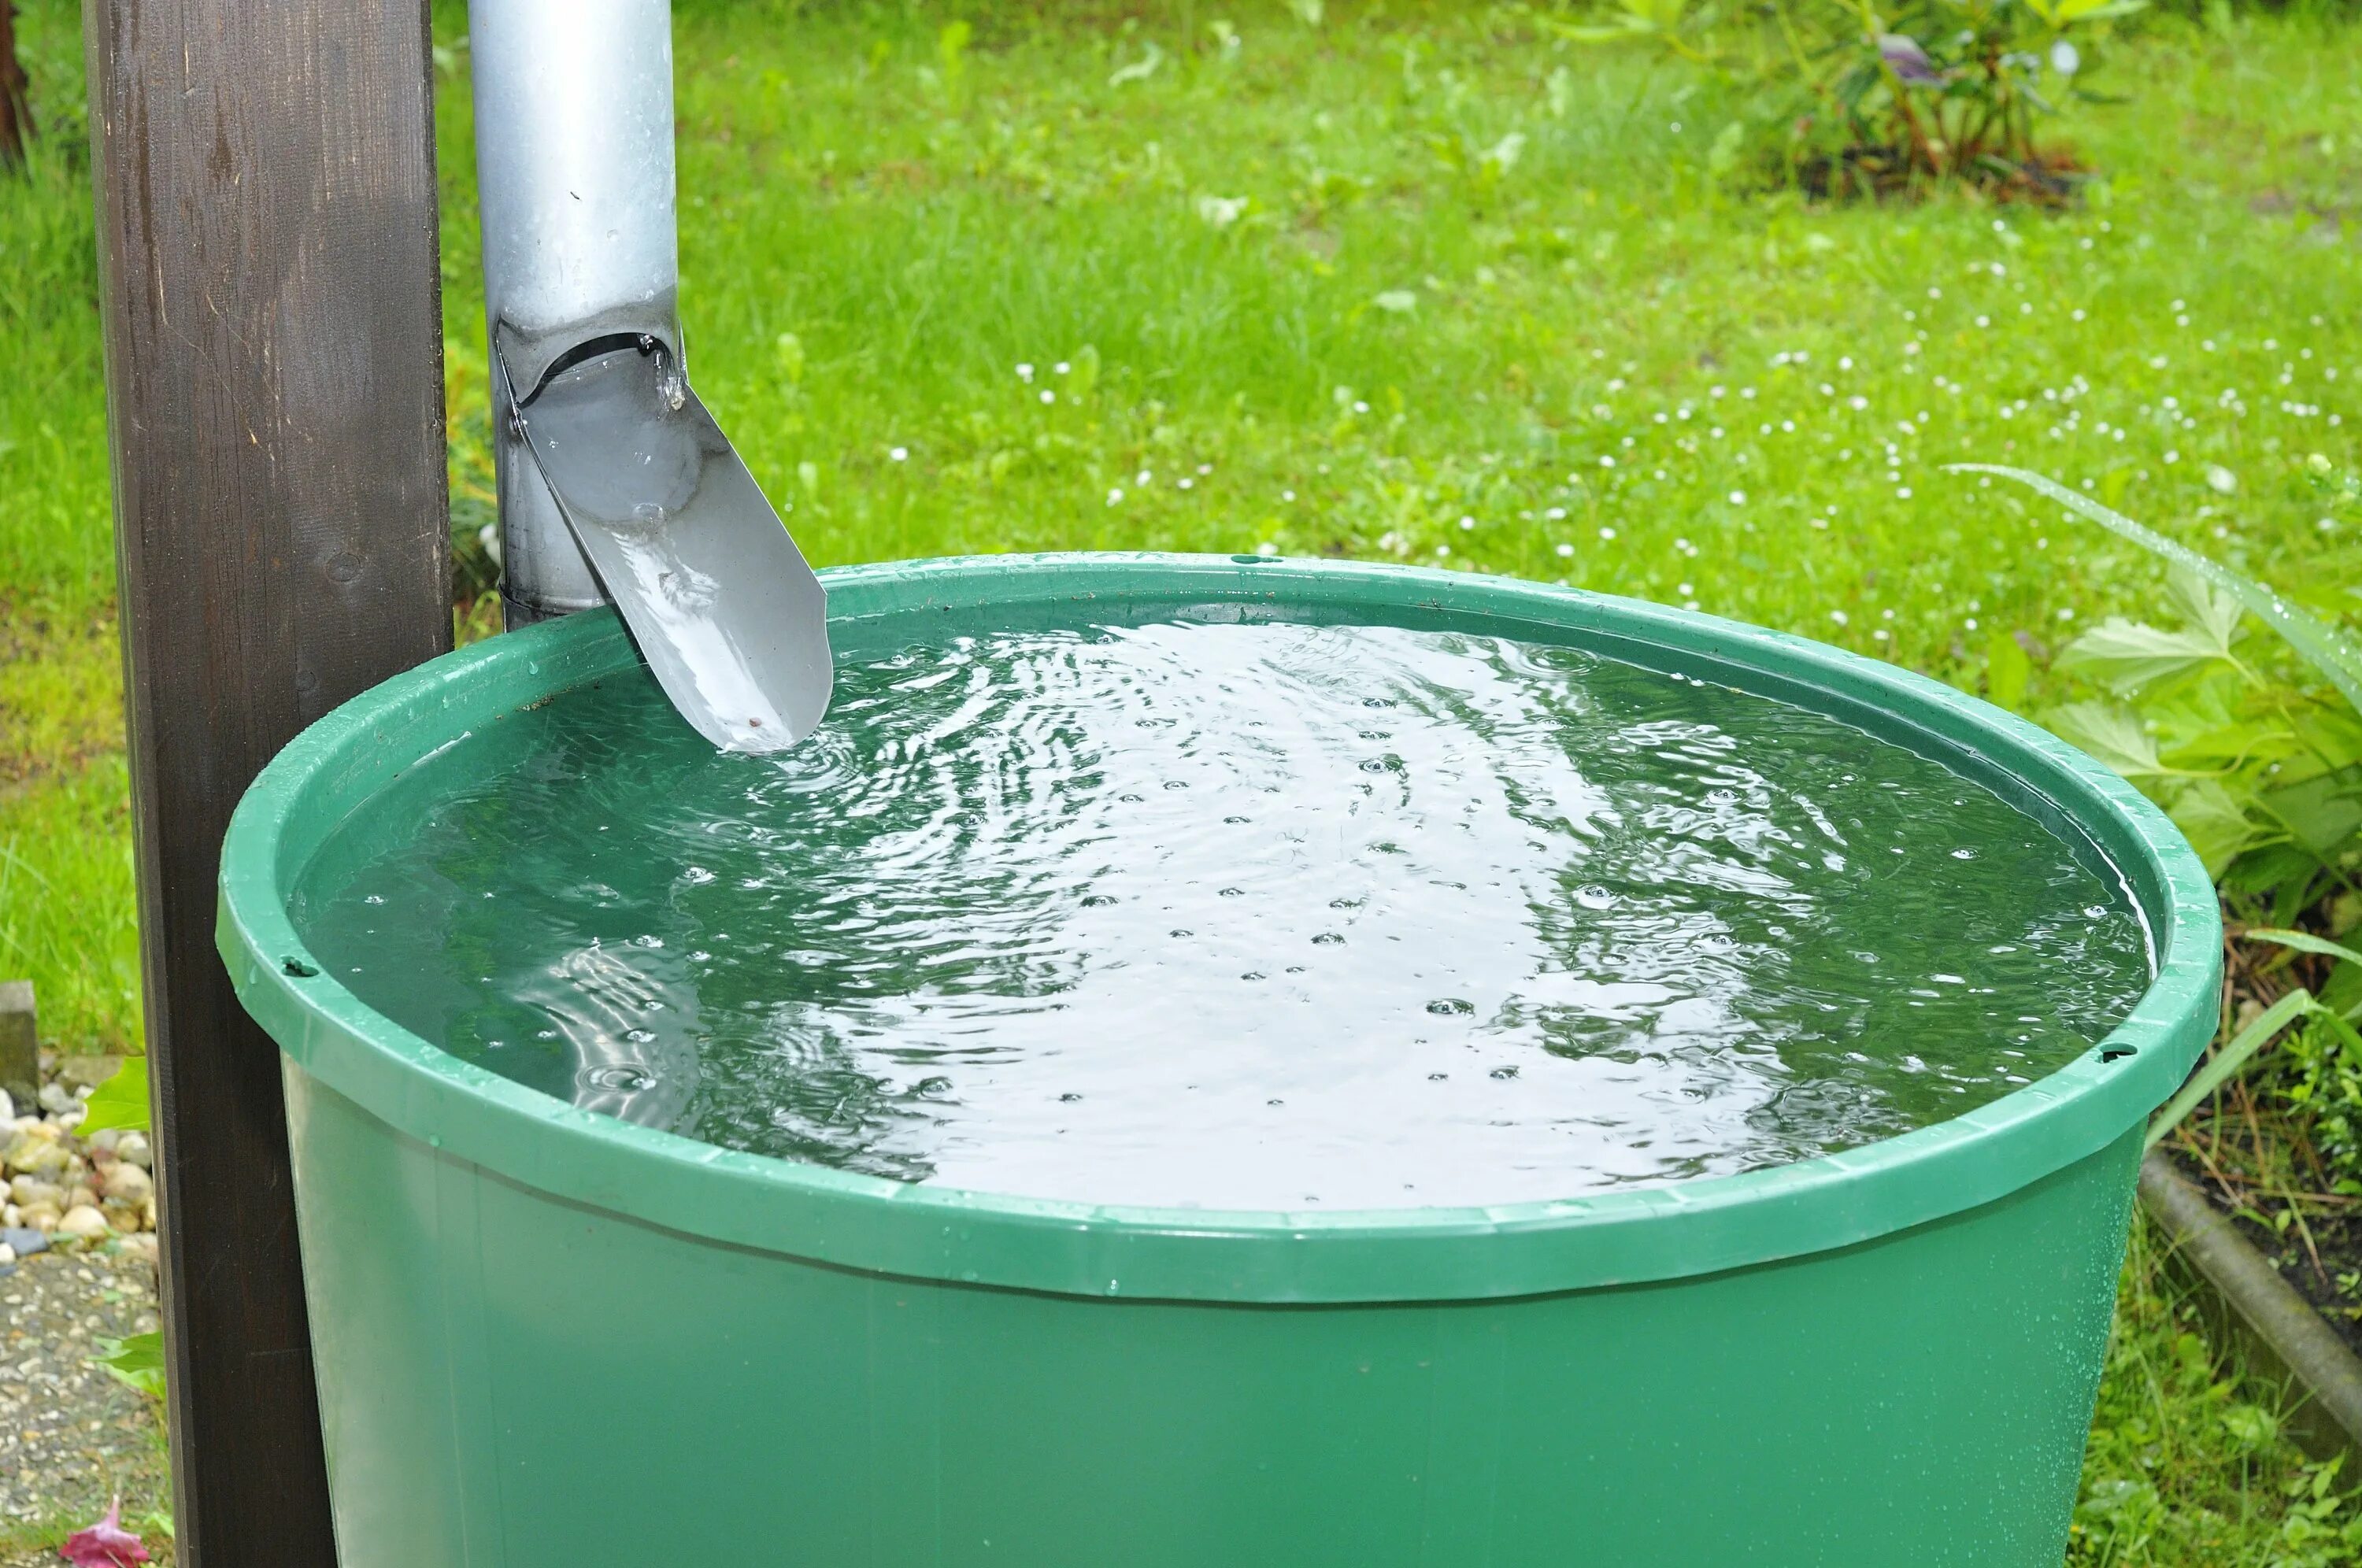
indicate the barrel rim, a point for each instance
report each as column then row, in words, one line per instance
column 844, row 1219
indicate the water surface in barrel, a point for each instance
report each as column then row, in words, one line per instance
column 1235, row 916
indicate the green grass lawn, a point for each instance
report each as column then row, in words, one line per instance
column 1410, row 284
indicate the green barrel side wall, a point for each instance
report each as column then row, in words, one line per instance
column 511, row 1380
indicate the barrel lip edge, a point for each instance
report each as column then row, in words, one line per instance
column 1624, row 1236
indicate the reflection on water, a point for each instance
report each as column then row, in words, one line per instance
column 1236, row 916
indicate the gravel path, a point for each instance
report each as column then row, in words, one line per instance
column 70, row 1436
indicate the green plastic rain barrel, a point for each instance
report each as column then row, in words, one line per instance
column 548, row 1337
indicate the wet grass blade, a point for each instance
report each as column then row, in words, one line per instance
column 2229, row 1060
column 2305, row 941
column 2327, row 648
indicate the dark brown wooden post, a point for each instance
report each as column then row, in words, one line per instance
column 274, row 367
column 16, row 101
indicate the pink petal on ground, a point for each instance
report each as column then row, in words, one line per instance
column 105, row 1545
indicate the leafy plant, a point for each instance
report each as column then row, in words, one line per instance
column 2224, row 1064
column 136, row 1363
column 2322, row 1073
column 1852, row 102
column 120, row 1102
column 2261, row 769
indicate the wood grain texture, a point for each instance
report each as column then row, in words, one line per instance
column 16, row 101
column 270, row 293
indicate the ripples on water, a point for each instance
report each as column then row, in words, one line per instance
column 1236, row 916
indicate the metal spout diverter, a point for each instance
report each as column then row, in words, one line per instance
column 615, row 483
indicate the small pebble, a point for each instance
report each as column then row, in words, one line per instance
column 84, row 1223
column 125, row 1183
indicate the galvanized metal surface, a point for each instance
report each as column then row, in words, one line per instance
column 616, row 483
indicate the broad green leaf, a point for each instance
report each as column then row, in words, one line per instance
column 2267, row 867
column 2206, row 609
column 2126, row 655
column 2210, row 818
column 136, row 1363
column 2112, row 733
column 2184, row 739
column 2229, row 1060
column 2329, row 649
column 121, row 1101
column 2322, row 813
column 2304, row 942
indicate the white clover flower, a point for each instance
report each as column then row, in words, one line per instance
column 1738, row 498
column 1838, row 616
column 1607, row 533
column 1114, row 495
column 2220, row 479
column 899, row 454
column 1025, row 372
column 1565, row 552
